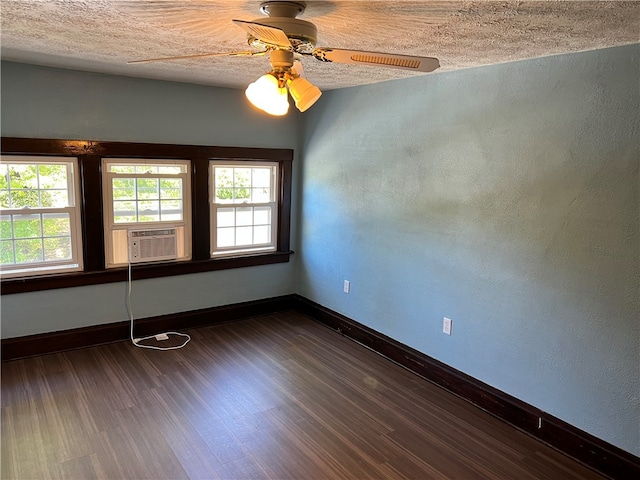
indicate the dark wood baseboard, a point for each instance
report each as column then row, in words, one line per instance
column 582, row 446
column 41, row 344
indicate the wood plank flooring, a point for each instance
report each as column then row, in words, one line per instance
column 274, row 397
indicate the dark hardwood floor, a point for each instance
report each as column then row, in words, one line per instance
column 278, row 397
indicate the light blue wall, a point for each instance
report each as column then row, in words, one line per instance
column 41, row 102
column 505, row 198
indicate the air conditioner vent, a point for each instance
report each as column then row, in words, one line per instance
column 152, row 245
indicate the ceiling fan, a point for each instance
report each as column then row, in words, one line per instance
column 282, row 36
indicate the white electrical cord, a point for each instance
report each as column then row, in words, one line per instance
column 136, row 341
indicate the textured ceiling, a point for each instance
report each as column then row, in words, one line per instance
column 102, row 35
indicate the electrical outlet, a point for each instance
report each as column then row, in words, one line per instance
column 446, row 325
column 347, row 286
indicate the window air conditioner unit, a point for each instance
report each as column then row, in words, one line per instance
column 152, row 245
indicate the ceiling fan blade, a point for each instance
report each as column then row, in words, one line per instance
column 405, row 62
column 265, row 33
column 202, row 55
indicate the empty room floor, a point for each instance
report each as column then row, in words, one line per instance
column 273, row 397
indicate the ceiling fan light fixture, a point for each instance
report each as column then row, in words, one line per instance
column 267, row 95
column 304, row 93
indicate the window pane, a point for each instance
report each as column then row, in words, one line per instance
column 226, row 217
column 241, row 194
column 23, row 176
column 53, row 176
column 261, row 177
column 6, row 229
column 260, row 195
column 28, row 251
column 224, row 195
column 56, row 249
column 123, row 183
column 4, row 176
column 148, row 211
column 225, row 237
column 244, row 236
column 124, row 211
column 144, row 168
column 242, row 177
column 173, row 169
column 262, row 216
column 223, row 177
column 122, row 168
column 170, row 188
column 244, row 216
column 4, row 198
column 24, row 198
column 27, row 226
column 56, row 224
column 170, row 210
column 54, row 198
column 148, row 188
column 262, row 234
column 6, row 252
column 123, row 188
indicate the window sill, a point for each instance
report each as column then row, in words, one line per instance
column 155, row 270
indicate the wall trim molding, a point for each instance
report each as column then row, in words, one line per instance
column 44, row 343
column 597, row 454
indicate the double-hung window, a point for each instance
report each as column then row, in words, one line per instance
column 244, row 207
column 148, row 196
column 40, row 228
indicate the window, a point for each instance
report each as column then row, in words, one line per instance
column 244, row 207
column 145, row 194
column 117, row 188
column 39, row 218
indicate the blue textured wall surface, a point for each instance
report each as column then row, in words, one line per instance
column 39, row 102
column 505, row 198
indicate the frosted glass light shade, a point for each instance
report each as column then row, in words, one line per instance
column 304, row 93
column 265, row 94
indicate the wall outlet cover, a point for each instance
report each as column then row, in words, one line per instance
column 446, row 325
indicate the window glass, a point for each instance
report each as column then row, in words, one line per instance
column 243, row 207
column 145, row 194
column 39, row 220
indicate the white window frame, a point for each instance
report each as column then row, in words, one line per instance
column 75, row 263
column 122, row 228
column 229, row 251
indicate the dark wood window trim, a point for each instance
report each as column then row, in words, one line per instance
column 90, row 153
